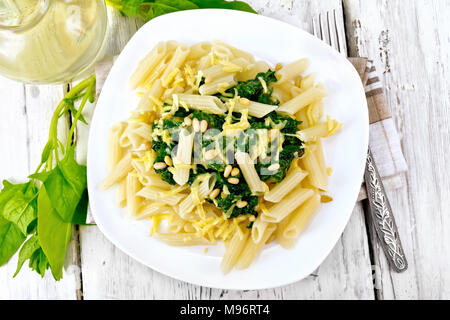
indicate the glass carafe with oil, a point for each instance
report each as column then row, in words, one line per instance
column 48, row 41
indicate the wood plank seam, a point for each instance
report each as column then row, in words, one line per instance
column 378, row 292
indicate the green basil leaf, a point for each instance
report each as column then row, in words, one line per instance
column 222, row 4
column 53, row 233
column 65, row 185
column 11, row 238
column 21, row 209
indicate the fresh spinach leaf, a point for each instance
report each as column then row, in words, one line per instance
column 65, row 185
column 149, row 9
column 21, row 209
column 254, row 90
column 222, row 4
column 31, row 250
column 54, row 234
column 11, row 238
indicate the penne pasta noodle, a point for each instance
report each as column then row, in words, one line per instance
column 248, row 170
column 234, row 248
column 150, row 101
column 292, row 70
column 317, row 176
column 255, row 109
column 237, row 53
column 308, row 82
column 114, row 147
column 301, row 101
column 203, row 103
column 250, row 73
column 182, row 239
column 133, row 186
column 291, row 181
column 252, row 249
column 156, row 194
column 292, row 201
column 119, row 172
column 174, row 65
column 153, row 208
column 148, row 64
column 301, row 217
column 183, row 158
column 221, row 84
column 204, row 189
column 122, row 194
column 199, row 50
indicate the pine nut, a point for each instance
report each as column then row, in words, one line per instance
column 274, row 167
column 257, row 209
column 168, row 161
column 241, row 204
column 235, row 172
column 227, row 171
column 196, row 125
column 278, row 67
column 223, row 195
column 244, row 102
column 233, row 180
column 188, row 121
column 159, row 165
column 203, row 126
column 210, row 154
column 214, row 194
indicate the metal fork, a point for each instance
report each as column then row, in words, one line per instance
column 329, row 27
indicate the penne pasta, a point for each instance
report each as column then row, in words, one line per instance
column 252, row 249
column 150, row 101
column 292, row 70
column 291, row 181
column 255, row 109
column 119, row 172
column 210, row 126
column 114, row 147
column 317, row 176
column 301, row 217
column 301, row 101
column 183, row 158
column 174, row 65
column 122, row 194
column 203, row 103
column 292, row 201
column 248, row 170
column 233, row 251
column 157, row 194
column 182, row 239
column 133, row 186
column 221, row 84
column 146, row 66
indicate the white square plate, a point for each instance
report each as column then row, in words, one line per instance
column 272, row 41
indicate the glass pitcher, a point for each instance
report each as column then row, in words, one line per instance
column 50, row 41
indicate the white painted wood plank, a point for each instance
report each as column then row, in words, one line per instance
column 110, row 274
column 25, row 113
column 409, row 41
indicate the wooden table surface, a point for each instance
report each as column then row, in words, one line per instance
column 410, row 43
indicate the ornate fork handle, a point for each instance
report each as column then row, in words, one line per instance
column 383, row 218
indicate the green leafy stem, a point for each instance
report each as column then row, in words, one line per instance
column 149, row 9
column 37, row 216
